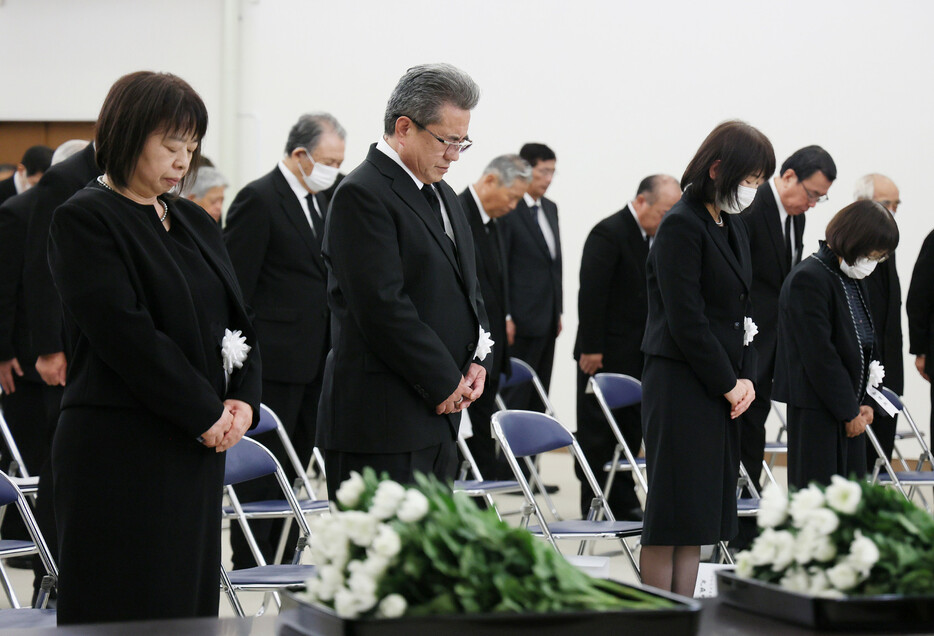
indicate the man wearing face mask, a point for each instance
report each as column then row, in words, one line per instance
column 775, row 222
column 885, row 306
column 273, row 233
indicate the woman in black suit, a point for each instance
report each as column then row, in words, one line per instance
column 697, row 367
column 825, row 346
column 148, row 294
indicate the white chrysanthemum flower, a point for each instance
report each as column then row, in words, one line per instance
column 806, row 545
column 484, row 345
column 351, row 490
column 750, row 329
column 773, row 507
column 345, row 604
column 796, row 580
column 823, row 521
column 234, row 350
column 359, row 526
column 414, row 507
column 332, row 580
column 360, row 582
column 784, row 550
column 876, row 373
column 386, row 500
column 393, row 606
column 386, row 544
column 803, row 503
column 819, row 581
column 762, row 551
column 312, row 586
column 843, row 495
column 863, row 553
column 843, row 576
column 744, row 564
column 825, row 550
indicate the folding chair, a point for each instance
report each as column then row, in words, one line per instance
column 247, row 460
column 526, row 433
column 776, row 448
column 614, row 391
column 10, row 493
column 478, row 486
column 912, row 479
column 17, row 467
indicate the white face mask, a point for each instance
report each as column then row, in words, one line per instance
column 321, row 178
column 862, row 268
column 744, row 196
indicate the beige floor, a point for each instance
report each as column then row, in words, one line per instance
column 557, row 468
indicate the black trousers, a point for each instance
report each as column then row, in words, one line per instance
column 439, row 460
column 297, row 407
column 538, row 353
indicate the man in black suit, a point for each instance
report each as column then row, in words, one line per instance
column 920, row 309
column 775, row 223
column 273, row 234
column 407, row 313
column 885, row 305
column 612, row 308
column 36, row 161
column 504, row 182
column 533, row 247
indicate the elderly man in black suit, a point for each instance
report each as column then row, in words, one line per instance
column 409, row 330
column 273, row 233
column 35, row 162
column 533, row 247
column 775, row 222
column 612, row 308
column 885, row 305
column 502, row 185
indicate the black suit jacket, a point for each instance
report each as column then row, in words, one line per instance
column 818, row 361
column 7, row 189
column 15, row 341
column 406, row 312
column 920, row 306
column 612, row 304
column 43, row 305
column 770, row 267
column 492, row 276
column 535, row 296
column 130, row 318
column 885, row 302
column 698, row 288
column 278, row 262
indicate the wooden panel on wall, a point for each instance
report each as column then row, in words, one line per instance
column 17, row 136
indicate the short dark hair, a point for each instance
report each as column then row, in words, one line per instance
column 424, row 90
column 809, row 160
column 138, row 105
column 535, row 152
column 37, row 159
column 308, row 130
column 742, row 151
column 861, row 228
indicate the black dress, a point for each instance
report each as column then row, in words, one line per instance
column 698, row 279
column 145, row 311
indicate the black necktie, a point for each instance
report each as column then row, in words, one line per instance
column 788, row 232
column 428, row 191
column 534, row 211
column 316, row 221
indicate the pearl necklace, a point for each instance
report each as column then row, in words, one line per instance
column 165, row 206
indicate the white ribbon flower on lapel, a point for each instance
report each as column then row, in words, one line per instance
column 750, row 329
column 484, row 345
column 233, row 350
column 876, row 373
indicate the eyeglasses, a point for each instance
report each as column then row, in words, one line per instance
column 459, row 146
column 889, row 204
column 813, row 197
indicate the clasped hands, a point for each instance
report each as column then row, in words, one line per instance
column 467, row 392
column 740, row 397
column 857, row 426
column 233, row 423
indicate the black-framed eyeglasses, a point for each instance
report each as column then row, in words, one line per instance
column 459, row 146
column 813, row 197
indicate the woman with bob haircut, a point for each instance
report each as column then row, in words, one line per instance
column 698, row 365
column 149, row 408
column 825, row 346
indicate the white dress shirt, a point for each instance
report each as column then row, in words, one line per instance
column 642, row 231
column 782, row 215
column 301, row 193
column 544, row 225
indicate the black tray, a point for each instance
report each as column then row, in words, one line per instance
column 299, row 618
column 890, row 613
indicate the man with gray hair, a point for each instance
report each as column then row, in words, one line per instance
column 885, row 306
column 273, row 233
column 502, row 185
column 208, row 191
column 407, row 348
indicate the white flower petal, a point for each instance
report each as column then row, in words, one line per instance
column 484, row 345
column 750, row 329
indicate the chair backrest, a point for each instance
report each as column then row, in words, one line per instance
column 531, row 433
column 619, row 390
column 15, row 455
column 267, row 422
column 8, row 492
column 894, row 399
column 519, row 373
column 248, row 460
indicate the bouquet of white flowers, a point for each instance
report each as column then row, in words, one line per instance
column 390, row 550
column 850, row 538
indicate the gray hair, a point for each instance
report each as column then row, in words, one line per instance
column 508, row 169
column 424, row 90
column 307, row 131
column 67, row 149
column 865, row 187
column 206, row 179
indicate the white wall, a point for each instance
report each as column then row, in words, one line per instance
column 618, row 89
